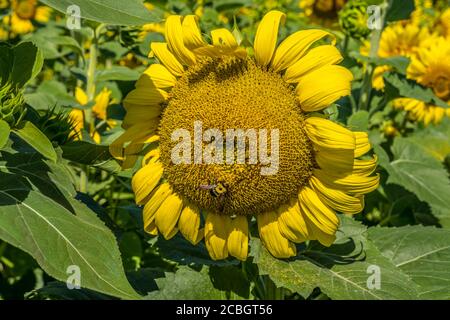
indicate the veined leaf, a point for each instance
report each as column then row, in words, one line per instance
column 113, row 12
column 35, row 138
column 4, row 133
column 341, row 271
column 423, row 253
column 419, row 173
column 117, row 73
column 38, row 214
column 180, row 286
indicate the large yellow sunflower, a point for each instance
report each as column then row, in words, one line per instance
column 431, row 68
column 280, row 87
column 398, row 39
column 24, row 12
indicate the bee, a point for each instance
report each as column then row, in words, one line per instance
column 216, row 189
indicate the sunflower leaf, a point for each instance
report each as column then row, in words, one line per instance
column 420, row 173
column 342, row 271
column 113, row 12
column 423, row 253
column 39, row 215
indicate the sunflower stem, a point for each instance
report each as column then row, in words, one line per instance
column 366, row 88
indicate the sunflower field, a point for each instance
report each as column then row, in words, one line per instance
column 225, row 149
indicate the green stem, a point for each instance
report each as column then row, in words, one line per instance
column 366, row 88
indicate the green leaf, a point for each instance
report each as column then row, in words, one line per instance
column 340, row 271
column 113, row 12
column 423, row 253
column 359, row 121
column 117, row 73
column 39, row 215
column 421, row 174
column 21, row 63
column 399, row 63
column 86, row 153
column 400, row 10
column 35, row 138
column 4, row 133
column 398, row 86
column 180, row 286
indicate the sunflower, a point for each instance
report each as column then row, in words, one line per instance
column 322, row 12
column 24, row 13
column 398, row 39
column 431, row 68
column 223, row 85
column 99, row 111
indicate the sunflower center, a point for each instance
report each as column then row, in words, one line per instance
column 25, row 9
column 442, row 87
column 224, row 95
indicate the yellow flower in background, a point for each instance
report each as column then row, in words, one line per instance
column 99, row 111
column 431, row 68
column 24, row 13
column 150, row 27
column 399, row 39
column 280, row 87
column 444, row 23
column 322, row 12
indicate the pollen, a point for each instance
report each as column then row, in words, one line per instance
column 232, row 93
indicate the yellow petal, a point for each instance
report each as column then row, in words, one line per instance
column 267, row 36
column 133, row 133
column 327, row 134
column 320, row 214
column 161, row 51
column 354, row 184
column 316, row 233
column 224, row 39
column 337, row 199
column 174, row 38
column 362, row 144
column 238, row 238
column 141, row 114
column 101, row 104
column 291, row 223
column 145, row 180
column 271, row 237
column 320, row 88
column 189, row 223
column 153, row 204
column 145, row 96
column 216, row 235
column 294, row 47
column 365, row 167
column 81, row 96
column 167, row 215
column 156, row 76
column 192, row 38
column 335, row 160
column 313, row 60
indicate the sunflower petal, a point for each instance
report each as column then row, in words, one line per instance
column 327, row 134
column 353, row 183
column 161, row 51
column 315, row 58
column 238, row 238
column 145, row 180
column 336, row 199
column 294, row 47
column 175, row 43
column 156, row 76
column 320, row 88
column 271, row 237
column 192, row 37
column 320, row 214
column 216, row 234
column 362, row 143
column 167, row 215
column 291, row 223
column 189, row 223
column 153, row 204
column 267, row 36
